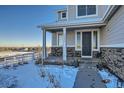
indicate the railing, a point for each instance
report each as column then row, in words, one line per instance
column 18, row 59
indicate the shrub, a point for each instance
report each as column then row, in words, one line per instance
column 39, row 61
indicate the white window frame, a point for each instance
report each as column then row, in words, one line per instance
column 57, row 33
column 61, row 14
column 92, row 49
column 78, row 49
column 93, row 15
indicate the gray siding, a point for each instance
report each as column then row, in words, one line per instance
column 102, row 9
column 54, row 39
column 70, row 38
column 113, row 33
column 72, row 12
column 59, row 16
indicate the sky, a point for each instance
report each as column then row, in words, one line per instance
column 18, row 24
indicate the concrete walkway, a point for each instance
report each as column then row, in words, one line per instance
column 88, row 77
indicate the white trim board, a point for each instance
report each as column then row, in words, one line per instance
column 121, row 45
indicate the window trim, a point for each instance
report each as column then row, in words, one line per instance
column 86, row 15
column 79, row 49
column 61, row 14
column 86, row 30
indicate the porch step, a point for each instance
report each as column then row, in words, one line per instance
column 89, row 60
column 70, row 60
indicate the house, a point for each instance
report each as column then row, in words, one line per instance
column 86, row 30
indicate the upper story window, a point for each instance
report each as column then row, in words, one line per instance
column 63, row 15
column 86, row 10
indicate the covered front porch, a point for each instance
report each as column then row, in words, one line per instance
column 70, row 43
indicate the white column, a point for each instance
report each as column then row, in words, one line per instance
column 43, row 44
column 64, row 44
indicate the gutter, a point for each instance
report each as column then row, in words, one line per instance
column 107, row 12
column 110, row 12
column 74, row 26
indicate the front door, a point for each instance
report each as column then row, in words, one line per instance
column 86, row 44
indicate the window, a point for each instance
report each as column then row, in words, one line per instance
column 95, row 40
column 60, row 39
column 85, row 10
column 81, row 10
column 78, row 44
column 91, row 9
column 63, row 15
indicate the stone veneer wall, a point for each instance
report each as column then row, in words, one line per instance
column 57, row 51
column 95, row 54
column 70, row 51
column 114, row 57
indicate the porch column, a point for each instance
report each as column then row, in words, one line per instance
column 64, row 44
column 43, row 44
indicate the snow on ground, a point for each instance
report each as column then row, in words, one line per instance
column 11, row 53
column 33, row 76
column 64, row 76
column 105, row 74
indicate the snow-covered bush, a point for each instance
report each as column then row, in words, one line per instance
column 53, row 80
column 42, row 74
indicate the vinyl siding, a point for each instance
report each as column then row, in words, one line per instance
column 113, row 33
column 54, row 39
column 70, row 38
column 102, row 9
column 59, row 16
column 72, row 12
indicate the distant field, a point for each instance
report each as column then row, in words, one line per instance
column 10, row 53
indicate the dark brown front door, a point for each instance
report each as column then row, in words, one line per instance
column 86, row 44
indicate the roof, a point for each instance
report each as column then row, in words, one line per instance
column 82, row 22
column 61, row 10
column 72, row 23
